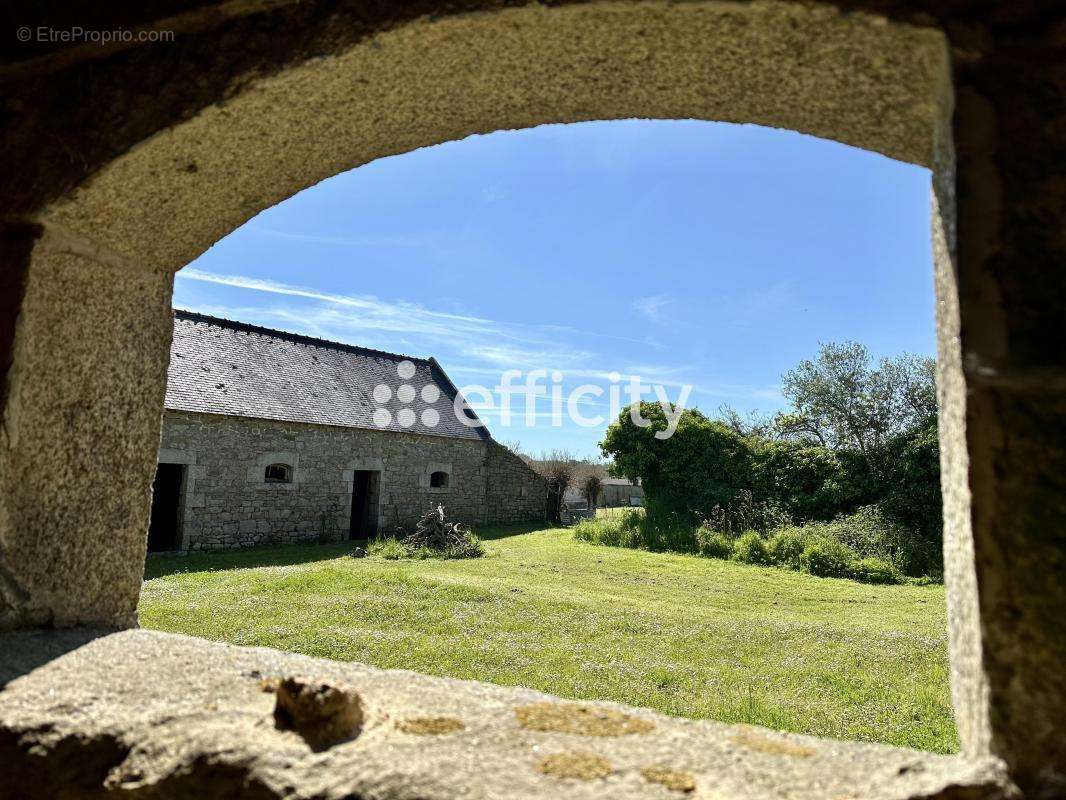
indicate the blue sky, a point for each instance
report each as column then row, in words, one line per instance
column 707, row 254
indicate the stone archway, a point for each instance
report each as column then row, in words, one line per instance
column 850, row 78
column 87, row 356
column 150, row 211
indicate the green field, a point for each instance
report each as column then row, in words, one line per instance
column 684, row 635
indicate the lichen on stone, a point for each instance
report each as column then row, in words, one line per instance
column 777, row 747
column 580, row 719
column 579, row 764
column 674, row 779
column 430, row 726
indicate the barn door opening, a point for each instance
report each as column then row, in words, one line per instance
column 164, row 529
column 364, row 521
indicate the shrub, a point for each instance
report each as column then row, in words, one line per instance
column 743, row 513
column 702, row 465
column 751, row 548
column 470, row 547
column 631, row 518
column 557, row 468
column 640, row 529
column 828, row 558
column 786, row 547
column 391, row 549
column 912, row 493
column 587, row 530
column 925, row 580
column 598, row 531
column 806, row 481
column 667, row 530
column 591, row 487
column 866, row 531
column 713, row 544
column 875, row 570
column 872, row 533
column 816, row 548
column 622, row 528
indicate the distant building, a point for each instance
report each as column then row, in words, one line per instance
column 620, row 492
column 614, row 492
column 275, row 437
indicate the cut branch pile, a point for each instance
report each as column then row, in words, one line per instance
column 433, row 532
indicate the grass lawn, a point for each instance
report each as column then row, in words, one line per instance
column 684, row 635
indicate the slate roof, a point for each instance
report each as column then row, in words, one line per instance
column 218, row 366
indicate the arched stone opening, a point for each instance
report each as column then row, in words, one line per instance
column 87, row 360
column 852, row 78
column 143, row 216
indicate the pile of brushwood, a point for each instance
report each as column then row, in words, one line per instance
column 433, row 537
column 434, row 532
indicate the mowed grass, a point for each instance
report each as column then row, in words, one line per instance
column 688, row 636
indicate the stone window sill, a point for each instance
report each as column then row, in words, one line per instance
column 142, row 712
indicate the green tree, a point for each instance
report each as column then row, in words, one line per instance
column 705, row 463
column 859, row 435
column 590, row 487
column 842, row 400
column 557, row 468
column 911, row 491
column 808, row 482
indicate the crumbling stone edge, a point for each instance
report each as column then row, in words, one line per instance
column 143, row 714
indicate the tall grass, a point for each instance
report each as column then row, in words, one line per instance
column 863, row 546
column 392, row 549
column 635, row 528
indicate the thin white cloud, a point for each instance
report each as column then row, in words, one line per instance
column 765, row 304
column 517, row 414
column 651, row 306
column 721, row 390
column 558, row 356
column 367, row 303
column 473, row 345
column 568, row 329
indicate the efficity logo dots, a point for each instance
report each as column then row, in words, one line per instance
column 405, row 395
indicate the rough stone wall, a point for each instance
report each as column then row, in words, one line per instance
column 78, row 434
column 513, row 491
column 227, row 503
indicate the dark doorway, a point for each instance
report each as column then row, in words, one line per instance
column 364, row 521
column 164, row 529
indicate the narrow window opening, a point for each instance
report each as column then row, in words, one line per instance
column 438, row 480
column 278, row 473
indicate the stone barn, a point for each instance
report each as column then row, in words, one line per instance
column 276, row 437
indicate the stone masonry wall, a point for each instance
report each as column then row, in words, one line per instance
column 514, row 492
column 226, row 502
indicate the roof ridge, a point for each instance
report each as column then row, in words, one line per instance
column 481, row 427
column 297, row 338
